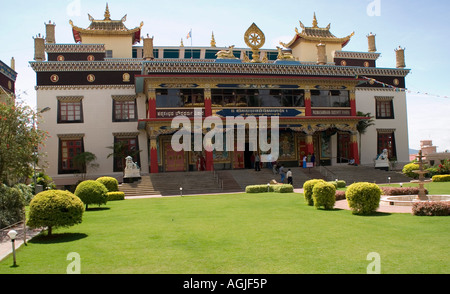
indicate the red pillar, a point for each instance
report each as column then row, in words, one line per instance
column 208, row 112
column 207, row 97
column 151, row 103
column 153, row 156
column 354, row 148
column 352, row 103
column 308, row 111
column 209, row 161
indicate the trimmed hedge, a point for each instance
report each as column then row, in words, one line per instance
column 441, row 178
column 92, row 192
column 308, row 190
column 340, row 195
column 363, row 198
column 55, row 208
column 110, row 183
column 112, row 196
column 394, row 191
column 431, row 208
column 281, row 188
column 324, row 195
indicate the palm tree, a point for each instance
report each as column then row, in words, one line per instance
column 120, row 152
column 84, row 160
column 362, row 126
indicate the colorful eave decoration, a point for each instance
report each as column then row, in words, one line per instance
column 106, row 27
column 315, row 33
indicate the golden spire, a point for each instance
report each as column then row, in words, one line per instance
column 181, row 45
column 314, row 24
column 107, row 15
column 213, row 41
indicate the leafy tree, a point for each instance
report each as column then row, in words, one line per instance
column 92, row 192
column 55, row 208
column 19, row 142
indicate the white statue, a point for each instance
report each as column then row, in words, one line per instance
column 382, row 160
column 132, row 170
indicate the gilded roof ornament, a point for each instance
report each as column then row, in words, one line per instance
column 315, row 24
column 255, row 39
column 107, row 14
column 213, row 41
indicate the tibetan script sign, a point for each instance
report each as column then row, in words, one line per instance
column 290, row 112
column 173, row 112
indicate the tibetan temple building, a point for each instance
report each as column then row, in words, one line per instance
column 113, row 87
column 7, row 82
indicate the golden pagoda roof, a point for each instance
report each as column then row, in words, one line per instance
column 315, row 33
column 106, row 27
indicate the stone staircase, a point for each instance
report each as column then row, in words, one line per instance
column 351, row 174
column 227, row 181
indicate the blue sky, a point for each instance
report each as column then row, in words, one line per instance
column 422, row 27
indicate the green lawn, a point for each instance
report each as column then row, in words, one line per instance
column 235, row 234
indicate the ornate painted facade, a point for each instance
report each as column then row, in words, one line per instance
column 106, row 89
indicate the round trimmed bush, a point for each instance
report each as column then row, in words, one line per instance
column 363, row 198
column 92, row 192
column 324, row 195
column 110, row 183
column 408, row 170
column 55, row 208
column 308, row 190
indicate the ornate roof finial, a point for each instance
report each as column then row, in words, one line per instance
column 181, row 45
column 213, row 41
column 107, row 14
column 315, row 21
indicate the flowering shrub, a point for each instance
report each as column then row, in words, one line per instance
column 431, row 208
column 393, row 191
column 340, row 195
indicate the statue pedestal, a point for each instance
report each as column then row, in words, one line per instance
column 382, row 164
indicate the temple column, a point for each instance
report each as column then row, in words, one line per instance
column 309, row 143
column 354, row 147
column 151, row 96
column 308, row 111
column 153, row 154
column 209, row 156
column 207, row 99
column 208, row 112
column 352, row 97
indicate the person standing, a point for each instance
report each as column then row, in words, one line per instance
column 313, row 159
column 257, row 162
column 289, row 177
column 282, row 173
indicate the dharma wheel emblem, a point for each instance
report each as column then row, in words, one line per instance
column 255, row 39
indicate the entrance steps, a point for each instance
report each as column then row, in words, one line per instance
column 351, row 174
column 227, row 181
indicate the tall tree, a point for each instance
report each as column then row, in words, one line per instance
column 20, row 142
column 363, row 125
